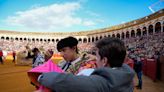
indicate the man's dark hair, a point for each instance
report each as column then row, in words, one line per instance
column 35, row 49
column 67, row 42
column 113, row 49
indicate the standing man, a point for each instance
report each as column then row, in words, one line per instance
column 38, row 58
column 72, row 61
column 138, row 70
column 1, row 55
column 14, row 55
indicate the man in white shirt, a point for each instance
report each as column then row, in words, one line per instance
column 38, row 58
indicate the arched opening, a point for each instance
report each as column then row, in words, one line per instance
column 132, row 33
column 3, row 37
column 113, row 35
column 127, row 34
column 85, row 40
column 41, row 40
column 122, row 35
column 97, row 38
column 109, row 35
column 53, row 40
column 105, row 36
column 12, row 38
column 158, row 27
column 150, row 29
column 33, row 39
column 37, row 40
column 49, row 40
column 93, row 39
column 21, row 39
column 57, row 40
column 144, row 31
column 80, row 40
column 139, row 32
column 29, row 39
column 118, row 35
column 89, row 39
column 25, row 39
column 7, row 38
column 101, row 37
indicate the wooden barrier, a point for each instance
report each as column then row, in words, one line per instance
column 162, row 68
column 151, row 69
column 144, row 67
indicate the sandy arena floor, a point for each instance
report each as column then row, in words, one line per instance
column 14, row 79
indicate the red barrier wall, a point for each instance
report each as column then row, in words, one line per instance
column 144, row 68
column 150, row 68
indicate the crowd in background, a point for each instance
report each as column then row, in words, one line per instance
column 146, row 46
column 150, row 46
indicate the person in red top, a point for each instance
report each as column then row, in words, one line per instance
column 14, row 55
column 1, row 55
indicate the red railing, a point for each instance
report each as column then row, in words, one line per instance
column 150, row 68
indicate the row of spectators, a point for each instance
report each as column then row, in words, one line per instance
column 150, row 46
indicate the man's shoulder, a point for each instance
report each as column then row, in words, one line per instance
column 105, row 70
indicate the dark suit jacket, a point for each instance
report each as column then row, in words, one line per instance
column 101, row 80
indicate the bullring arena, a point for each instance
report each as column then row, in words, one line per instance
column 147, row 32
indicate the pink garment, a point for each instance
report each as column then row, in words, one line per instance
column 49, row 66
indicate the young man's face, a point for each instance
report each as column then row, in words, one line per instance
column 68, row 53
column 35, row 53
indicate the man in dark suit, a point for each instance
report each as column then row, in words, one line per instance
column 110, row 76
